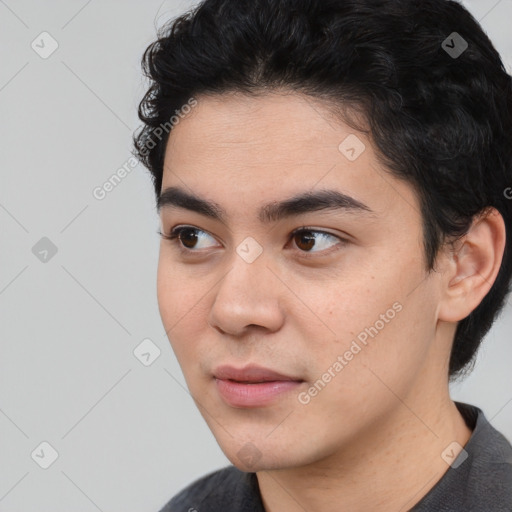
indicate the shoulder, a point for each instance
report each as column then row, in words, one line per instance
column 222, row 490
column 480, row 478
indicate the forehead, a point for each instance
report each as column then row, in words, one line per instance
column 245, row 149
column 240, row 123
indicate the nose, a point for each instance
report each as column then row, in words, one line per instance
column 248, row 295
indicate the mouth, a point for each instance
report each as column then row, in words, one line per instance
column 253, row 386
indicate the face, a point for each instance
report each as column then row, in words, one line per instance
column 295, row 326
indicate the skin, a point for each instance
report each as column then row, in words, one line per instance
column 372, row 438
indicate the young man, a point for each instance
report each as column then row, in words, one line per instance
column 331, row 178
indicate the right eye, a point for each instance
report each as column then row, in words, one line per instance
column 186, row 238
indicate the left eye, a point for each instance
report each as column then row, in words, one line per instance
column 305, row 238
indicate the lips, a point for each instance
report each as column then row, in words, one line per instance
column 251, row 374
column 253, row 386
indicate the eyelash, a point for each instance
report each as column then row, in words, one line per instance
column 175, row 233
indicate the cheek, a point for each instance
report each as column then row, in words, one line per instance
column 177, row 289
column 350, row 302
column 354, row 382
column 167, row 289
column 383, row 349
column 374, row 323
column 179, row 306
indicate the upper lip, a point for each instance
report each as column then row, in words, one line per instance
column 250, row 373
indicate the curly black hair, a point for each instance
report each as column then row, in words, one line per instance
column 427, row 80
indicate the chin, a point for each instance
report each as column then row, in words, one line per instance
column 252, row 457
column 259, row 465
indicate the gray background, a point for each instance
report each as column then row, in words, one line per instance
column 128, row 436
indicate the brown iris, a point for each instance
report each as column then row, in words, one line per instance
column 191, row 237
column 306, row 238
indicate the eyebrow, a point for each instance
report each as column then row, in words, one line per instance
column 333, row 200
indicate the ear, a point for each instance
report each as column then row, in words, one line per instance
column 472, row 266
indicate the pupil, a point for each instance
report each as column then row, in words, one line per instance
column 308, row 240
column 183, row 237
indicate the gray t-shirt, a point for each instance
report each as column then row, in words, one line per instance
column 481, row 483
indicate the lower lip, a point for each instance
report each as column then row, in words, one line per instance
column 238, row 394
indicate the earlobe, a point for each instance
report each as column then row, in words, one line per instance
column 474, row 266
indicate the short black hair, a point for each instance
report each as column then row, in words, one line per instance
column 439, row 114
